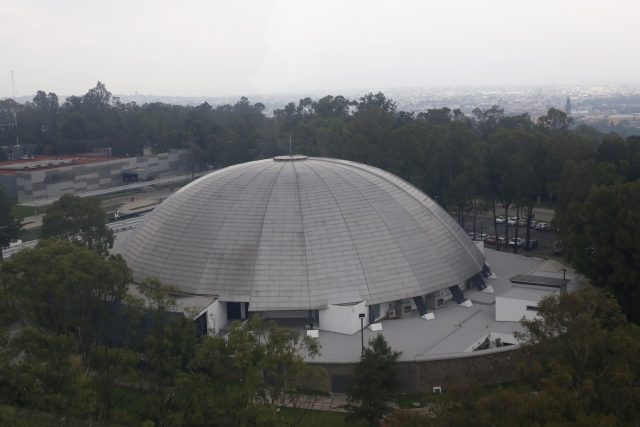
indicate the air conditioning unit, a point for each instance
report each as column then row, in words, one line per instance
column 392, row 314
column 437, row 390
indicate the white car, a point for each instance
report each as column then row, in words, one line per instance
column 520, row 242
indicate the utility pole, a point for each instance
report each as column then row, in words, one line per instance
column 361, row 316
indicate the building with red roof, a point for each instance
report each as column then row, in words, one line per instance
column 48, row 177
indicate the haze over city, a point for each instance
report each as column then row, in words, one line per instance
column 222, row 49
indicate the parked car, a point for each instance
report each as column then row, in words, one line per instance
column 519, row 242
column 558, row 247
column 533, row 243
column 478, row 237
column 511, row 221
column 491, row 240
column 500, row 220
column 502, row 241
column 543, row 226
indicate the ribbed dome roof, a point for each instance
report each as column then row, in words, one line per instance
column 291, row 235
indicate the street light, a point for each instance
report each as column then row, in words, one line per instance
column 361, row 316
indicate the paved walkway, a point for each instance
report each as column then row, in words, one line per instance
column 31, row 222
column 333, row 403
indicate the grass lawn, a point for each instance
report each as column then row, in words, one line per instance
column 20, row 211
column 406, row 400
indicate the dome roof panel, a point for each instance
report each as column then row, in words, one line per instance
column 301, row 233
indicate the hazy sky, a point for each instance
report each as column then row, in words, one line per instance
column 218, row 47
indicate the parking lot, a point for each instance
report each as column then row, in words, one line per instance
column 484, row 225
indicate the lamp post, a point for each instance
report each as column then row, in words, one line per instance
column 361, row 316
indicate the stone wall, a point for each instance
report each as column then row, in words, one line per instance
column 476, row 368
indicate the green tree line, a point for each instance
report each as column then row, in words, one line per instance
column 75, row 341
column 466, row 163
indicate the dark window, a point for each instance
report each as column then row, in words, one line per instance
column 340, row 383
column 233, row 311
column 201, row 324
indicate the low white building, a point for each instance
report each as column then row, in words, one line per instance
column 521, row 302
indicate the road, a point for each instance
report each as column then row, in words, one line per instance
column 117, row 227
column 177, row 181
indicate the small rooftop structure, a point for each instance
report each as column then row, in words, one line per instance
column 527, row 293
column 530, row 279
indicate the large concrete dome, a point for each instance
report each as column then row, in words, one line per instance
column 297, row 233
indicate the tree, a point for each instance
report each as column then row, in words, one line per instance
column 584, row 357
column 97, row 98
column 609, row 253
column 167, row 350
column 330, row 106
column 520, row 121
column 78, row 220
column 374, row 381
column 436, row 116
column 579, row 366
column 555, row 120
column 39, row 370
column 63, row 288
column 46, row 116
column 10, row 227
column 241, row 379
column 517, row 181
column 487, row 121
column 65, row 295
column 373, row 120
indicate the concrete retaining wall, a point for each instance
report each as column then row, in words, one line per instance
column 477, row 368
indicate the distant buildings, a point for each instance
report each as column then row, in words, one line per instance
column 48, row 177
